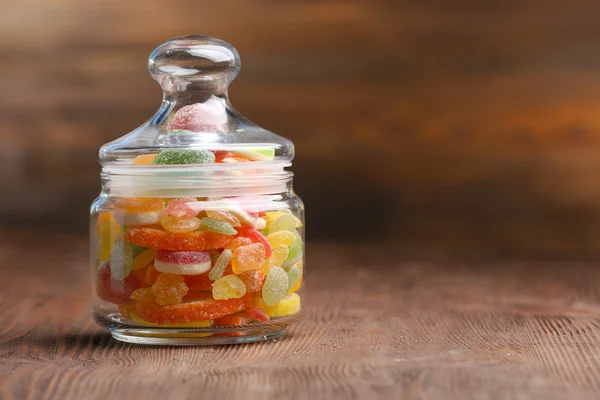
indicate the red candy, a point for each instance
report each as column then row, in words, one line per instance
column 115, row 291
column 232, row 320
column 182, row 257
column 256, row 237
column 200, row 117
column 179, row 208
column 257, row 314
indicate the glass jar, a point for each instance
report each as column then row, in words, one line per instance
column 197, row 236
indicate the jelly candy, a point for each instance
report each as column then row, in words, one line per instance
column 179, row 225
column 145, row 159
column 236, row 319
column 281, row 238
column 248, row 257
column 293, row 275
column 198, row 283
column 142, row 259
column 289, row 305
column 238, row 242
column 213, row 225
column 143, row 295
column 234, row 159
column 169, row 289
column 224, row 216
column 161, row 239
column 277, row 258
column 217, row 271
column 228, row 287
column 298, row 283
column 107, row 231
column 150, row 275
column 220, row 155
column 110, row 289
column 256, row 237
column 126, row 309
column 254, row 280
column 180, row 208
column 275, row 287
column 256, row 153
column 184, row 156
column 198, row 308
column 270, row 216
column 199, row 117
column 121, row 260
column 138, row 211
column 195, row 324
column 257, row 314
column 296, row 251
column 182, row 262
column 284, row 222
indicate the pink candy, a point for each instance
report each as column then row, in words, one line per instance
column 179, row 208
column 182, row 257
column 200, row 117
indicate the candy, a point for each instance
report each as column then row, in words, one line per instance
column 234, row 159
column 289, row 305
column 169, row 289
column 257, row 314
column 293, row 275
column 253, row 280
column 138, row 211
column 150, row 275
column 256, row 153
column 115, row 291
column 277, row 258
column 161, row 239
column 107, row 231
column 270, row 216
column 183, row 224
column 184, row 156
column 145, row 159
column 121, row 260
column 284, row 222
column 217, row 226
column 248, row 257
column 126, row 310
column 256, row 237
column 143, row 258
column 238, row 242
column 199, row 308
column 224, row 216
column 180, row 208
column 217, row 271
column 220, row 155
column 200, row 117
column 275, row 287
column 194, row 324
column 298, row 283
column 198, row 283
column 182, row 262
column 236, row 319
column 228, row 287
column 281, row 238
column 143, row 295
column 296, row 251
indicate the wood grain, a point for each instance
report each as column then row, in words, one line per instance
column 374, row 326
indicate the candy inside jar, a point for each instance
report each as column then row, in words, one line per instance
column 197, row 235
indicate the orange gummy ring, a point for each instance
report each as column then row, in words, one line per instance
column 192, row 241
column 199, row 308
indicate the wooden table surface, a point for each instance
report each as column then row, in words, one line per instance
column 375, row 325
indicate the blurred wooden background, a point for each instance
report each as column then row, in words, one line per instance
column 462, row 126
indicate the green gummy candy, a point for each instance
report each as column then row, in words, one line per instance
column 184, row 156
column 275, row 287
column 217, row 226
column 296, row 251
column 285, row 222
column 219, row 268
column 121, row 260
column 293, row 275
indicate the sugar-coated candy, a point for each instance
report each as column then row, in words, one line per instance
column 194, row 324
column 199, row 308
column 281, row 238
column 270, row 216
column 289, row 305
column 169, row 289
column 246, row 258
column 144, row 159
column 228, row 287
column 256, row 237
column 200, row 117
column 182, row 262
column 254, row 280
column 192, row 241
column 296, row 251
column 150, row 275
column 180, row 208
column 121, row 260
column 198, row 283
column 143, row 258
column 138, row 211
column 277, row 258
column 219, row 267
column 183, row 224
column 237, row 319
column 298, row 283
column 115, row 291
column 293, row 274
column 213, row 225
column 107, row 232
column 184, row 156
column 275, row 287
column 224, row 216
column 238, row 242
column 284, row 222
column 143, row 295
column 257, row 314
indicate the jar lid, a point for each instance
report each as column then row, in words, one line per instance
column 196, row 124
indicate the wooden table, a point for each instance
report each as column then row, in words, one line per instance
column 374, row 326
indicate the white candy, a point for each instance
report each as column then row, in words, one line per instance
column 129, row 218
column 182, row 269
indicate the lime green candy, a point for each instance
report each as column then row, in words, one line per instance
column 220, row 264
column 296, row 251
column 275, row 287
column 285, row 222
column 256, row 153
column 184, row 156
column 293, row 275
column 121, row 260
column 222, row 227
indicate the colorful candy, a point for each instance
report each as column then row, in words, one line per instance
column 289, row 305
column 253, row 280
column 162, row 239
column 184, row 156
column 182, row 262
column 293, row 275
column 228, row 287
column 277, row 258
column 256, row 237
column 246, row 258
column 180, row 208
column 284, row 222
column 116, row 291
column 281, row 238
column 257, row 314
column 195, row 324
column 200, row 117
column 224, row 216
column 275, row 287
column 138, row 211
column 236, row 319
column 179, row 225
column 121, row 260
column 141, row 260
column 169, row 289
column 145, row 159
column 107, row 232
column 256, row 153
column 219, row 268
column 213, row 225
column 296, row 252
column 238, row 242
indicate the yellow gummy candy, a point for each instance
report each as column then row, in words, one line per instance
column 275, row 259
column 271, row 215
column 108, row 231
column 298, row 283
column 281, row 238
column 195, row 324
column 289, row 305
column 143, row 259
